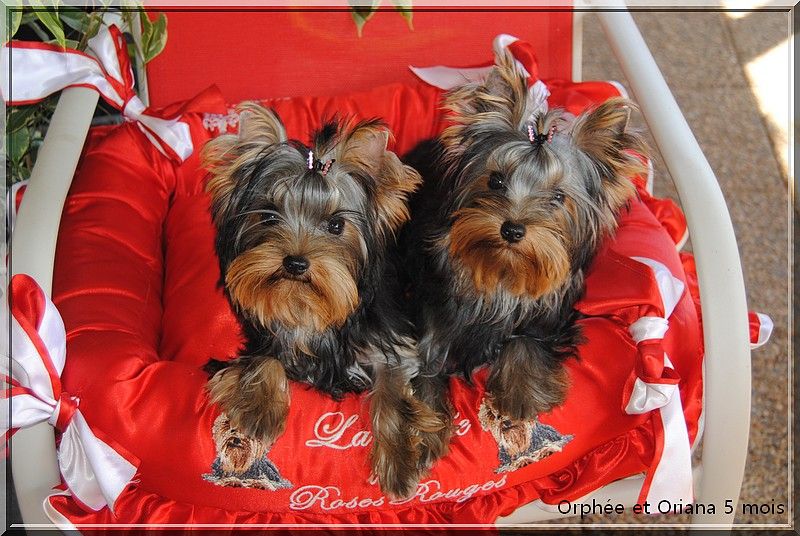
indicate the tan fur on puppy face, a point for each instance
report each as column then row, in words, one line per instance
column 323, row 297
column 535, row 266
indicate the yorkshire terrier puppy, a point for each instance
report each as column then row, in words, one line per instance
column 514, row 203
column 304, row 238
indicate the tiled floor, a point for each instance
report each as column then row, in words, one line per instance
column 709, row 60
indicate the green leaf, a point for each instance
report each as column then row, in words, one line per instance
column 76, row 20
column 405, row 9
column 19, row 116
column 146, row 24
column 50, row 20
column 16, row 19
column 23, row 173
column 156, row 40
column 93, row 24
column 27, row 17
column 362, row 13
column 17, row 144
column 68, row 43
column 38, row 30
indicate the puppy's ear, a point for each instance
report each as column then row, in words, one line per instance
column 217, row 158
column 364, row 147
column 259, row 125
column 603, row 134
column 499, row 103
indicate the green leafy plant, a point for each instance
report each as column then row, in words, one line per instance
column 362, row 12
column 68, row 27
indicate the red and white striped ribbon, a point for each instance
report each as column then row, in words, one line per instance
column 654, row 387
column 39, row 69
column 94, row 471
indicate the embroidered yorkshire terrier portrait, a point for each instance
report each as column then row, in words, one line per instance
column 241, row 460
column 307, row 254
column 519, row 442
column 516, row 200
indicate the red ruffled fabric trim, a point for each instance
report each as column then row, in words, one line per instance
column 628, row 454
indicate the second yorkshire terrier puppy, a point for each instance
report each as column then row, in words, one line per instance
column 303, row 235
column 514, row 204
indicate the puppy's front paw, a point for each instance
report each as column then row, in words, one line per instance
column 254, row 396
column 434, row 430
column 394, row 463
column 541, row 395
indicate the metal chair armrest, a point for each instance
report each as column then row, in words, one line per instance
column 725, row 329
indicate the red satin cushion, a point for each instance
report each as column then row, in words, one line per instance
column 137, row 284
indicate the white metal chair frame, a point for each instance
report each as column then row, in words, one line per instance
column 724, row 307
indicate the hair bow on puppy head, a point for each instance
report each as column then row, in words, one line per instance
column 539, row 138
column 318, row 165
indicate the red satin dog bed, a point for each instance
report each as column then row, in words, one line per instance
column 136, row 283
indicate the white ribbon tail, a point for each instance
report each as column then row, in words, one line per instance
column 672, row 478
column 174, row 133
column 447, row 78
column 94, row 472
column 669, row 287
column 58, row 519
column 48, row 71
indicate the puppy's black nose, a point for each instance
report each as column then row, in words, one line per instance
column 512, row 232
column 295, row 265
column 235, row 442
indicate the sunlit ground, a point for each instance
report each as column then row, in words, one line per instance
column 769, row 77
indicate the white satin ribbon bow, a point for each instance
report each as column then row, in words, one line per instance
column 38, row 70
column 94, row 472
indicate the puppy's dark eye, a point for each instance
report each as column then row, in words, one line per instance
column 336, row 225
column 497, row 181
column 558, row 198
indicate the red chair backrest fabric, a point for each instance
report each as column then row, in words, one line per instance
column 264, row 53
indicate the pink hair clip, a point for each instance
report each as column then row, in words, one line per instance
column 326, row 167
column 531, row 133
column 540, row 139
column 318, row 165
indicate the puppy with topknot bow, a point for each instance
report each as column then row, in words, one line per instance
column 304, row 236
column 515, row 201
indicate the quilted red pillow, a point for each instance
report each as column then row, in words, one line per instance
column 136, row 283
